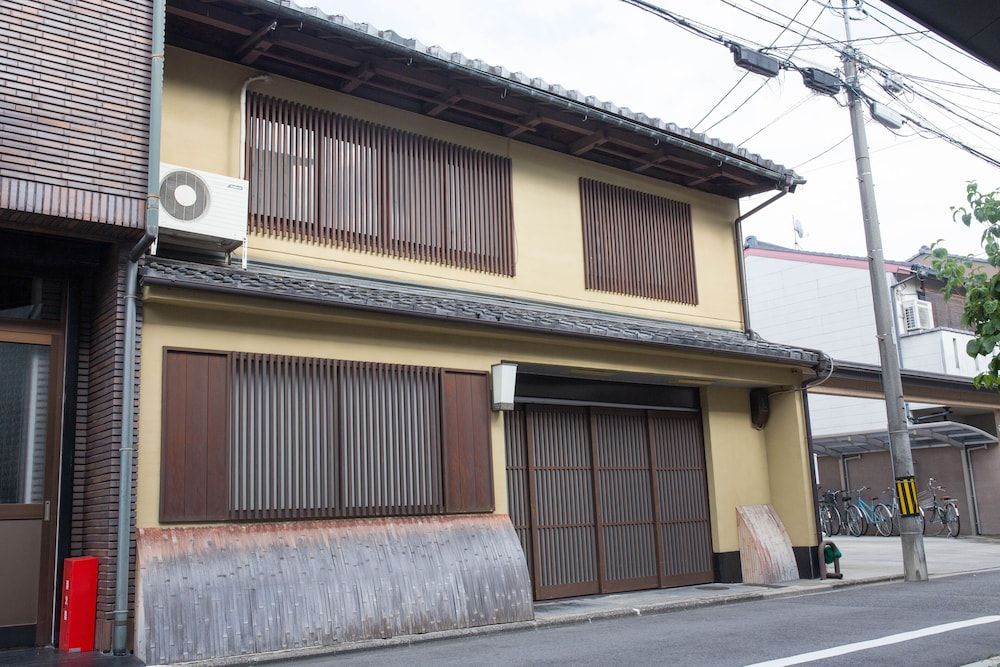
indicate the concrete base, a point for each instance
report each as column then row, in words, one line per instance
column 212, row 592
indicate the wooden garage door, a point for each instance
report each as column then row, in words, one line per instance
column 608, row 500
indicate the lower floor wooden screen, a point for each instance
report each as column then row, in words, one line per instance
column 608, row 500
column 262, row 436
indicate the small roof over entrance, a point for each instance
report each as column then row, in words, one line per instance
column 934, row 434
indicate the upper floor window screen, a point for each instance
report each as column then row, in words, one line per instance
column 323, row 177
column 637, row 243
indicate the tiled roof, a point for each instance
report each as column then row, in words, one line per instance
column 754, row 242
column 326, row 289
column 476, row 66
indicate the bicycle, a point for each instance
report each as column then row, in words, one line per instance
column 854, row 519
column 944, row 513
column 875, row 514
column 829, row 516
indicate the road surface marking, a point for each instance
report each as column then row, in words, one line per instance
column 875, row 643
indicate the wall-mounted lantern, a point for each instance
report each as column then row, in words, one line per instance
column 504, row 377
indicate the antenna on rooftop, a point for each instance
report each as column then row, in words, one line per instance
column 798, row 229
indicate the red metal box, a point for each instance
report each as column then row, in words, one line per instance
column 78, row 604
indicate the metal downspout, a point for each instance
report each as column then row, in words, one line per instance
column 243, row 146
column 741, row 264
column 970, row 484
column 120, row 632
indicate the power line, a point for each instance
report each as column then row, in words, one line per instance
column 933, row 57
column 956, row 142
column 909, row 140
column 777, row 118
column 791, row 19
column 690, row 25
column 934, row 38
column 824, row 152
column 875, row 38
column 764, row 82
column 916, row 119
column 745, row 75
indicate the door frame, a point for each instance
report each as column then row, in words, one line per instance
column 50, row 334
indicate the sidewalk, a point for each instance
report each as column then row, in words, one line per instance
column 866, row 560
column 881, row 556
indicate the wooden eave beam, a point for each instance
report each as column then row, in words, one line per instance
column 704, row 179
column 520, row 116
column 448, row 99
column 736, row 177
column 357, row 77
column 255, row 44
column 326, row 71
column 213, row 16
column 524, row 124
column 587, row 142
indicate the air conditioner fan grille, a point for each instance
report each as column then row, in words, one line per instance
column 177, row 207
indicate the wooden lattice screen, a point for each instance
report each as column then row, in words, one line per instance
column 322, row 177
column 637, row 243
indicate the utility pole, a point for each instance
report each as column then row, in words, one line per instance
column 910, row 528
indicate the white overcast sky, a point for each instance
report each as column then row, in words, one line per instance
column 619, row 53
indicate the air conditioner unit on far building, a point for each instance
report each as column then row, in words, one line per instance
column 917, row 315
column 202, row 210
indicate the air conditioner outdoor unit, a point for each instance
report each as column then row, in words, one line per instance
column 917, row 315
column 203, row 210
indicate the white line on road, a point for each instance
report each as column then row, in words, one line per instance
column 875, row 643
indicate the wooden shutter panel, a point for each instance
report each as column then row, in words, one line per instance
column 468, row 461
column 194, row 481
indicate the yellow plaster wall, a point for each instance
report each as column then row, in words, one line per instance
column 201, row 131
column 789, row 470
column 751, row 467
column 174, row 318
column 736, row 459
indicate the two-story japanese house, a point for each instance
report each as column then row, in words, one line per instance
column 474, row 340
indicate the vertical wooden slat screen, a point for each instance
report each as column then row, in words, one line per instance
column 322, row 177
column 627, row 522
column 260, row 436
column 677, row 445
column 465, row 417
column 637, row 243
column 284, row 444
column 563, row 512
column 195, row 432
column 607, row 500
column 518, row 487
column 390, row 436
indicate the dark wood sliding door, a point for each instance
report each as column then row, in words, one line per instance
column 607, row 500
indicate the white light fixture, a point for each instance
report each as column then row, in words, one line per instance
column 504, row 377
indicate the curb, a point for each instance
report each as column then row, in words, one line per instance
column 539, row 624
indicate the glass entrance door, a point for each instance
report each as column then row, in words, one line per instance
column 29, row 408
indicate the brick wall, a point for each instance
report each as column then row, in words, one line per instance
column 99, row 408
column 74, row 108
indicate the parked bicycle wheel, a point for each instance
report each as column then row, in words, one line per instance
column 829, row 519
column 883, row 520
column 856, row 524
column 952, row 520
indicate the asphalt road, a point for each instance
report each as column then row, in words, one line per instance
column 747, row 633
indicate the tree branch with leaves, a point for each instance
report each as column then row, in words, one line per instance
column 971, row 277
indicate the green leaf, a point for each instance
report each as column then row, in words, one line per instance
column 972, row 347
